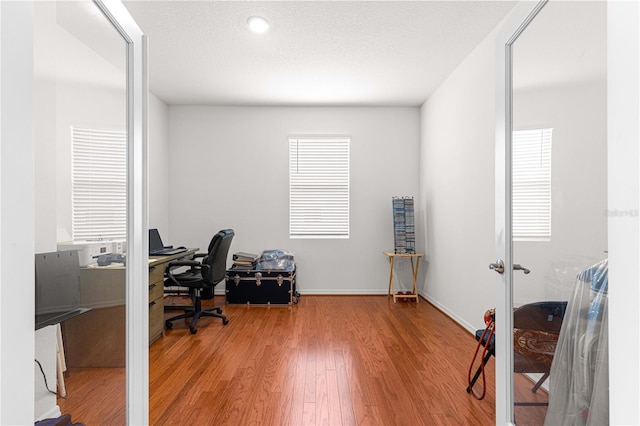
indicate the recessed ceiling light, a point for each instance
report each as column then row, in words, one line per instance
column 258, row 24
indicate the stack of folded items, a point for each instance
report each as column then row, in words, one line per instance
column 243, row 260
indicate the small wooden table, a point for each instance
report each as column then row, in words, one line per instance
column 414, row 269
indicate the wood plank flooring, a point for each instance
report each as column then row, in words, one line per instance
column 330, row 360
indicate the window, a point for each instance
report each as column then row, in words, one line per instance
column 319, row 187
column 532, row 185
column 99, row 184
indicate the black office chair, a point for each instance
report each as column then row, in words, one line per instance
column 201, row 276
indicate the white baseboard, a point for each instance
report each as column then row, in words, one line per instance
column 534, row 377
column 342, row 292
column 450, row 314
column 329, row 292
column 361, row 292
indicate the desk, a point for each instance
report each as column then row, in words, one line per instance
column 414, row 269
column 98, row 337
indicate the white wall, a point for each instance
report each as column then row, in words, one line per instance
column 228, row 168
column 457, row 188
column 158, row 166
column 16, row 213
column 45, row 63
column 578, row 116
column 623, row 99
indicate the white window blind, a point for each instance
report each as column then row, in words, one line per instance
column 99, row 184
column 319, row 187
column 532, row 184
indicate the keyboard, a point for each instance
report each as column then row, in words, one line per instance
column 168, row 252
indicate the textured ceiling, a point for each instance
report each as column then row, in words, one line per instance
column 316, row 52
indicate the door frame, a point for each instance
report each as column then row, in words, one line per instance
column 137, row 271
column 514, row 25
column 623, row 151
column 623, row 156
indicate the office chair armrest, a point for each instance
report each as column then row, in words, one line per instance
column 179, row 263
column 171, row 279
column 192, row 264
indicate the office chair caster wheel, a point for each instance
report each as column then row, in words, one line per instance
column 219, row 310
column 225, row 321
column 168, row 325
column 193, row 330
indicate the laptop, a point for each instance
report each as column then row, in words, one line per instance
column 157, row 248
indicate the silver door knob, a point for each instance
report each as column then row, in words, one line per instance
column 498, row 266
column 517, row 267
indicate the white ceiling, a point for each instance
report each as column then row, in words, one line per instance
column 316, row 52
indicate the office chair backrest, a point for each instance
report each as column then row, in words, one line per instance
column 540, row 316
column 217, row 256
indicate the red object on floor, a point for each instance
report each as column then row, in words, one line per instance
column 404, row 299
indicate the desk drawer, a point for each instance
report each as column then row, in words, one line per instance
column 156, row 319
column 156, row 274
column 156, row 291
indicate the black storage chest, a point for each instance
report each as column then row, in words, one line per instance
column 261, row 287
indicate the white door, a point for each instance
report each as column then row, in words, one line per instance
column 551, row 223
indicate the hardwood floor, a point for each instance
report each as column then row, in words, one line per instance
column 330, row 360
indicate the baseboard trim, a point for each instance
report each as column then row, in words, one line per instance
column 462, row 323
column 343, row 292
column 377, row 292
column 331, row 292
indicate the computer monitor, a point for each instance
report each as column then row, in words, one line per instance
column 155, row 242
